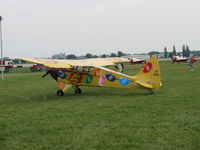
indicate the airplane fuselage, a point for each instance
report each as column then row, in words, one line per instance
column 94, row 76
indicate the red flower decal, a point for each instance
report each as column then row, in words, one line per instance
column 147, row 68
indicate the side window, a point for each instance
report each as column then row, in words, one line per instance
column 82, row 69
column 74, row 68
column 87, row 69
column 91, row 69
column 79, row 68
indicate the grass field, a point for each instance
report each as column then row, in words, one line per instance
column 32, row 117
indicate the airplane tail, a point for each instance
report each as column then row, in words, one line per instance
column 149, row 75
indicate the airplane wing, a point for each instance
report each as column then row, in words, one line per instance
column 181, row 58
column 60, row 63
column 52, row 63
column 116, row 59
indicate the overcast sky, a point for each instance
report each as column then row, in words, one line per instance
column 41, row 28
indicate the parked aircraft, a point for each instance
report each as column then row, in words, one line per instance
column 91, row 72
column 182, row 59
column 137, row 61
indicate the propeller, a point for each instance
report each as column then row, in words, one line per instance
column 45, row 74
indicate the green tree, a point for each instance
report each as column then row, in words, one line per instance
column 95, row 56
column 71, row 56
column 165, row 52
column 171, row 55
column 184, row 53
column 179, row 54
column 6, row 59
column 103, row 56
column 120, row 53
column 187, row 51
column 153, row 53
column 60, row 55
column 88, row 55
column 16, row 61
column 113, row 55
column 174, row 50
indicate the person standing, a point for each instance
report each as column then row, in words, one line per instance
column 190, row 64
column 121, row 67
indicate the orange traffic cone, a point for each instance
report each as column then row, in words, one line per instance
column 183, row 70
column 61, row 85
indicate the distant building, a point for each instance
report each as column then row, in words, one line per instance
column 161, row 55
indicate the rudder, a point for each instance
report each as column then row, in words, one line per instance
column 149, row 75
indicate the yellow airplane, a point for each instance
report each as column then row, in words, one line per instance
column 91, row 72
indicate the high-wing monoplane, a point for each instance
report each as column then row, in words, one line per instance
column 92, row 72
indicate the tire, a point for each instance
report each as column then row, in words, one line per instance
column 78, row 91
column 60, row 93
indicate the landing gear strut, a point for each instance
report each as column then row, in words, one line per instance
column 67, row 86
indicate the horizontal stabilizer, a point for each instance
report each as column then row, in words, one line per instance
column 145, row 84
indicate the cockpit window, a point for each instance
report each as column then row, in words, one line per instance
column 86, row 69
column 10, row 63
column 74, row 68
column 82, row 68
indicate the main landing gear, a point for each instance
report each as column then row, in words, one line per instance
column 60, row 93
column 67, row 86
column 77, row 91
column 151, row 91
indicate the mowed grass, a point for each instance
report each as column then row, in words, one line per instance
column 32, row 117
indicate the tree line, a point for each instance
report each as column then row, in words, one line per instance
column 62, row 55
column 185, row 52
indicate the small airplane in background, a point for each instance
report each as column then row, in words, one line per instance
column 182, row 59
column 137, row 61
column 91, row 72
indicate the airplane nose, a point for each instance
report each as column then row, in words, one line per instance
column 54, row 73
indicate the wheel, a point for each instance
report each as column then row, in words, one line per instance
column 60, row 93
column 78, row 91
column 151, row 91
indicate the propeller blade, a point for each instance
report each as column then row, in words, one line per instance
column 45, row 74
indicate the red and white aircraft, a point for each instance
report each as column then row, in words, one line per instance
column 137, row 61
column 182, row 59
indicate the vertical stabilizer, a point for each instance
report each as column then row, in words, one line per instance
column 149, row 75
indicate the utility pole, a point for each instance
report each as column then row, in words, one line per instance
column 1, row 41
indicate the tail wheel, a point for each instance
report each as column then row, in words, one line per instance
column 78, row 91
column 151, row 91
column 60, row 93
